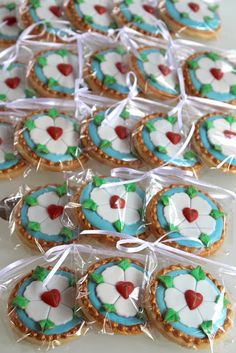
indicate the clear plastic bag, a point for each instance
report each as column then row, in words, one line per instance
column 9, row 24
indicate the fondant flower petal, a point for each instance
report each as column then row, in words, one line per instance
column 107, row 293
column 216, row 137
column 51, row 71
column 204, row 76
column 175, row 299
column 34, row 291
column 159, row 138
column 60, row 315
column 48, row 198
column 133, row 200
column 52, row 61
column 112, row 58
column 113, row 274
column 207, row 289
column 65, row 124
column 135, row 276
column 210, row 311
column 37, row 310
column 100, row 196
column 206, row 224
column 220, row 124
column 191, row 318
column 106, row 132
column 68, row 81
column 71, row 138
column 230, row 78
column 182, row 6
column 58, row 282
column 151, row 69
column 126, row 307
column 202, row 206
column 189, row 229
column 123, row 146
column 206, row 64
column 51, row 226
column 173, row 149
column 173, row 212
column 43, row 122
column 129, row 216
column 68, row 297
column 56, row 147
column 184, row 282
column 37, row 214
column 2, row 156
column 39, row 136
column 221, row 86
column 117, row 190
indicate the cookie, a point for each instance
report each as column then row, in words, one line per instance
column 111, row 293
column 189, row 306
column 138, row 14
column 196, row 18
column 9, row 26
column 115, row 209
column 182, row 211
column 11, row 163
column 13, row 84
column 52, row 73
column 210, row 75
column 45, row 313
column 91, row 15
column 215, row 140
column 38, row 217
column 157, row 140
column 50, row 140
column 155, row 78
column 109, row 141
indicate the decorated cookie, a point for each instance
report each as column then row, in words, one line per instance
column 182, row 211
column 39, row 215
column 111, row 295
column 117, row 209
column 189, row 306
column 155, row 78
column 210, row 75
column 92, row 15
column 11, row 164
column 138, row 14
column 13, row 83
column 215, row 139
column 106, row 72
column 109, row 141
column 157, row 140
column 9, row 27
column 196, row 18
column 45, row 313
column 50, row 140
column 51, row 11
column 53, row 73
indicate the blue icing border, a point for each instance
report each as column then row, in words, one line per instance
column 162, row 156
column 175, row 14
column 39, row 235
column 206, row 142
column 9, row 164
column 34, row 326
column 98, row 305
column 191, row 331
column 50, row 156
column 155, row 84
column 95, row 67
column 98, row 222
column 215, row 236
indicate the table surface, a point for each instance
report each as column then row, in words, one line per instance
column 11, row 249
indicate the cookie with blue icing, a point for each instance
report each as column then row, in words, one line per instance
column 44, row 313
column 157, row 140
column 91, row 15
column 195, row 18
column 9, row 26
column 139, row 15
column 215, row 139
column 210, row 75
column 182, row 211
column 109, row 140
column 189, row 306
column 39, row 217
column 112, row 295
column 155, row 77
column 118, row 208
column 52, row 73
column 50, row 140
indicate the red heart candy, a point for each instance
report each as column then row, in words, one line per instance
column 55, row 211
column 52, row 297
column 165, row 70
column 149, row 8
column 217, row 73
column 10, row 20
column 124, row 288
column 117, row 202
column 173, row 137
column 100, row 9
column 190, row 214
column 122, row 132
column 194, row 6
column 55, row 132
column 193, row 299
column 12, row 82
column 56, row 10
column 229, row 134
column 122, row 67
column 65, row 69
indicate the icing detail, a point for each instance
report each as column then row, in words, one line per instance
column 174, row 137
column 56, row 10
column 65, row 69
column 190, row 214
column 9, row 28
column 124, row 288
column 55, row 211
column 117, row 202
column 193, row 299
column 51, row 297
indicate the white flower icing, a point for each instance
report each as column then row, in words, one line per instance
column 8, row 22
column 100, row 10
column 109, row 66
column 12, row 82
column 196, row 9
column 223, row 134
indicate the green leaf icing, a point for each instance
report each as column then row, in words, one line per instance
column 46, row 324
column 30, row 200
column 90, row 205
column 98, row 181
column 96, row 277
column 119, row 225
column 35, row 226
column 192, row 192
column 171, row 316
column 40, row 273
column 198, row 273
column 21, row 302
column 53, row 113
column 61, row 190
column 130, row 187
column 216, row 214
column 124, row 264
column 167, row 281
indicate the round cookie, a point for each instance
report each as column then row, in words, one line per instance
column 182, row 211
column 38, row 217
column 195, row 18
column 11, row 164
column 9, row 27
column 157, row 140
column 210, row 75
column 155, row 78
column 114, row 209
column 189, row 306
column 53, row 73
column 109, row 141
column 111, row 295
column 137, row 14
column 50, row 140
column 90, row 15
column 45, row 313
column 215, row 140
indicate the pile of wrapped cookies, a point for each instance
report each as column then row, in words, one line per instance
column 120, row 103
